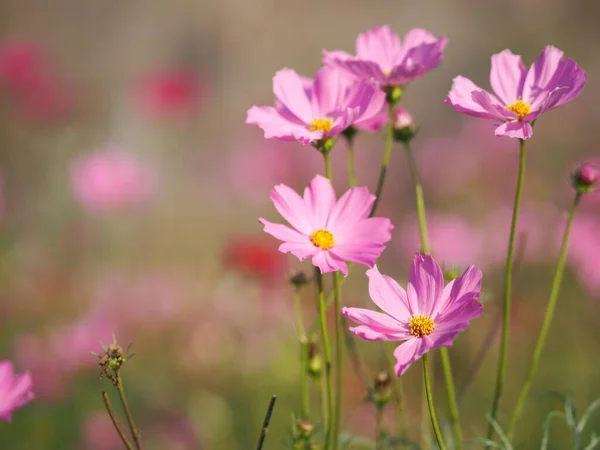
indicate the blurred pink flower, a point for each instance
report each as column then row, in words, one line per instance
column 327, row 231
column 521, row 95
column 381, row 55
column 15, row 390
column 169, row 93
column 584, row 250
column 307, row 111
column 21, row 62
column 99, row 433
column 256, row 257
column 112, row 180
column 48, row 99
column 426, row 316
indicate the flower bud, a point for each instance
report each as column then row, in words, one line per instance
column 305, row 427
column 314, row 360
column 381, row 392
column 585, row 179
column 393, row 94
column 298, row 278
column 404, row 127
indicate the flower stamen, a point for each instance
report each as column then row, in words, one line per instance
column 321, row 124
column 421, row 326
column 322, row 239
column 520, row 108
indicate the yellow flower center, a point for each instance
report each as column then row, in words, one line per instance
column 322, row 239
column 520, row 108
column 324, row 124
column 421, row 326
column 387, row 72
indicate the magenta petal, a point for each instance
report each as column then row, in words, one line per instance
column 388, row 295
column 507, row 76
column 373, row 229
column 428, row 281
column 571, row 76
column 355, row 204
column 410, row 351
column 380, row 45
column 325, row 261
column 375, row 326
column 289, row 88
column 293, row 209
column 332, row 58
column 328, row 90
column 319, row 197
column 360, row 252
column 372, row 334
column 301, row 250
column 457, row 316
column 283, row 232
column 276, row 126
column 372, row 124
column 461, row 99
column 515, row 129
column 368, row 97
column 364, row 69
column 469, row 281
column 541, row 73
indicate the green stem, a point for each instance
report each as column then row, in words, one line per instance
column 387, row 151
column 552, row 300
column 304, row 394
column 398, row 388
column 327, row 356
column 130, row 421
column 351, row 163
column 115, row 421
column 425, row 248
column 339, row 353
column 434, row 422
column 379, row 437
column 501, row 374
column 328, row 172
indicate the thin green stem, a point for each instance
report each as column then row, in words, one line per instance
column 425, row 248
column 328, row 172
column 398, row 389
column 501, row 374
column 327, row 356
column 387, row 152
column 552, row 300
column 304, row 394
column 434, row 422
column 351, row 163
column 134, row 431
column 379, row 424
column 339, row 354
column 115, row 421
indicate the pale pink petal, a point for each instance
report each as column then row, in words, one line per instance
column 428, row 281
column 382, row 326
column 363, row 69
column 541, row 73
column 380, row 45
column 325, row 261
column 372, row 124
column 571, row 76
column 319, row 197
column 457, row 316
column 293, row 209
column 461, row 99
column 417, row 37
column 414, row 304
column 515, row 129
column 410, row 351
column 388, row 295
column 361, row 252
column 355, row 204
column 288, row 87
column 469, row 281
column 507, row 76
column 301, row 250
column 277, row 126
column 283, row 232
column 328, row 91
column 373, row 229
column 332, row 58
column 418, row 61
column 546, row 102
column 368, row 97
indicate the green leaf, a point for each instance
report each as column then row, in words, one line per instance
column 587, row 414
column 500, row 432
column 546, row 429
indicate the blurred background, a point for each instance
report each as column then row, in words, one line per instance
column 131, row 189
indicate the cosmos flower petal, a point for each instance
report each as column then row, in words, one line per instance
column 283, row 232
column 15, row 390
column 507, row 76
column 359, row 252
column 428, row 281
column 410, row 351
column 289, row 88
column 541, row 73
column 354, row 205
column 380, row 45
column 515, row 129
column 369, row 333
column 379, row 322
column 388, row 295
column 276, row 126
column 301, row 250
column 327, row 262
column 328, row 91
column 319, row 197
column 469, row 281
column 461, row 99
column 458, row 315
column 293, row 209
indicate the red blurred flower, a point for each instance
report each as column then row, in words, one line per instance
column 255, row 256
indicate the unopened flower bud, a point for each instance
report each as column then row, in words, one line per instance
column 586, row 178
column 404, row 126
column 350, row 132
column 305, row 427
column 381, row 393
column 324, row 145
column 314, row 360
column 451, row 274
column 393, row 94
column 298, row 278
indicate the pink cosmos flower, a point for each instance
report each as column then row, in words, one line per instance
column 426, row 316
column 521, row 94
column 168, row 93
column 15, row 390
column 20, row 64
column 111, row 179
column 327, row 231
column 307, row 111
column 381, row 55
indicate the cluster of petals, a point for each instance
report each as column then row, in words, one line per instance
column 427, row 315
column 382, row 56
column 310, row 110
column 328, row 231
column 15, row 390
column 521, row 95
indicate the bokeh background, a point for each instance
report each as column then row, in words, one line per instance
column 131, row 189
